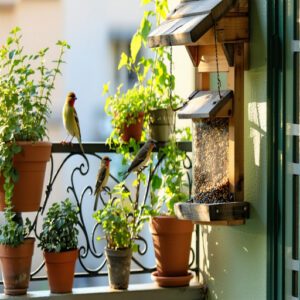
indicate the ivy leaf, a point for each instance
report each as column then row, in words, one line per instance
column 135, row 46
column 123, row 61
column 156, row 182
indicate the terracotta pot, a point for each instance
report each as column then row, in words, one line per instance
column 15, row 266
column 172, row 244
column 134, row 130
column 60, row 269
column 31, row 165
column 161, row 124
column 118, row 264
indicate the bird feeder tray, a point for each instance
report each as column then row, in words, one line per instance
column 229, row 213
column 207, row 104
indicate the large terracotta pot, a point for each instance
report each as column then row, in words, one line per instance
column 31, row 164
column 60, row 269
column 133, row 130
column 15, row 266
column 172, row 244
column 118, row 264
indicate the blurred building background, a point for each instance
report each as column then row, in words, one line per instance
column 98, row 31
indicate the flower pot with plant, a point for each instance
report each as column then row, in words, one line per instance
column 121, row 221
column 25, row 89
column 59, row 241
column 127, row 112
column 171, row 236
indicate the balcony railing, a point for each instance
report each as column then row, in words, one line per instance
column 71, row 174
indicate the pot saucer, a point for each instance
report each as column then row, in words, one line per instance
column 170, row 281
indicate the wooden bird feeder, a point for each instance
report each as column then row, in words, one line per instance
column 215, row 34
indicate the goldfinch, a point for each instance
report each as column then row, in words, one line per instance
column 70, row 118
column 102, row 178
column 141, row 157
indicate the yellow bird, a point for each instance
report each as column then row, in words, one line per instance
column 102, row 178
column 70, row 118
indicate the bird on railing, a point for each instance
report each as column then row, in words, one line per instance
column 70, row 119
column 141, row 158
column 102, row 178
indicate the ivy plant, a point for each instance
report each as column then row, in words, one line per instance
column 26, row 84
column 170, row 186
column 59, row 231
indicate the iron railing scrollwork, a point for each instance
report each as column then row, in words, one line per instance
column 80, row 167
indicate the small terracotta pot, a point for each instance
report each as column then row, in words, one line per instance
column 134, row 130
column 31, row 164
column 172, row 244
column 60, row 269
column 118, row 264
column 15, row 266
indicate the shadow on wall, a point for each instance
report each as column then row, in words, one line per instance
column 234, row 258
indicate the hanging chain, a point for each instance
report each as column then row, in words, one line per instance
column 219, row 83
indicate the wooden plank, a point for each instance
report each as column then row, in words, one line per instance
column 223, row 223
column 241, row 6
column 236, row 125
column 194, row 54
column 199, row 212
column 193, row 8
column 205, row 104
column 228, row 49
column 208, row 59
column 202, row 81
column 233, row 29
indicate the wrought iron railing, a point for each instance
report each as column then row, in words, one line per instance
column 68, row 161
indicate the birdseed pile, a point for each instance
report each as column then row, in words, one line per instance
column 210, row 150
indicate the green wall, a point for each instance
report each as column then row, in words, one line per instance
column 233, row 259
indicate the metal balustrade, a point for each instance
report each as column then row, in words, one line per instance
column 73, row 175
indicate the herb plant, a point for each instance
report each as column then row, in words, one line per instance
column 59, row 232
column 121, row 219
column 26, row 84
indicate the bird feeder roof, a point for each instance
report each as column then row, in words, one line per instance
column 189, row 21
column 205, row 104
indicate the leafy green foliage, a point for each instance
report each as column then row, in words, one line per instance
column 154, row 82
column 13, row 233
column 124, row 108
column 121, row 219
column 26, row 84
column 169, row 187
column 59, row 232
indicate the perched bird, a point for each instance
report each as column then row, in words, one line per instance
column 141, row 158
column 70, row 118
column 102, row 178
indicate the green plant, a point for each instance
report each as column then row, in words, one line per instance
column 152, row 71
column 124, row 108
column 154, row 82
column 169, row 187
column 25, row 89
column 121, row 219
column 59, row 232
